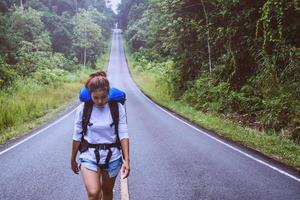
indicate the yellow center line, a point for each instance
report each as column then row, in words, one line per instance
column 124, row 188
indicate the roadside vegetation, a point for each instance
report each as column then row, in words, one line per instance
column 230, row 66
column 47, row 50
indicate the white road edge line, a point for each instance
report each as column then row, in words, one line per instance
column 40, row 131
column 216, row 139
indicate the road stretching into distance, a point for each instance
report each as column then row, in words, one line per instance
column 170, row 159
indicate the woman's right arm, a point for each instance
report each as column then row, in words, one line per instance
column 75, row 148
column 76, row 138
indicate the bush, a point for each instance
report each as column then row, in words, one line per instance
column 7, row 74
column 276, row 84
column 50, row 76
column 204, row 94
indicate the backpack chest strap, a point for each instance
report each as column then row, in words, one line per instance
column 103, row 146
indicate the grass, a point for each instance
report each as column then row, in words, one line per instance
column 27, row 104
column 22, row 117
column 269, row 144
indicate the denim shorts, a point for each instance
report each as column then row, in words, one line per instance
column 112, row 168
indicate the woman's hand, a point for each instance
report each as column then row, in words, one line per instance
column 125, row 152
column 74, row 166
column 125, row 169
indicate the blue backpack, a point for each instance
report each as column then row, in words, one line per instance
column 113, row 95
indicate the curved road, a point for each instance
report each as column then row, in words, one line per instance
column 170, row 159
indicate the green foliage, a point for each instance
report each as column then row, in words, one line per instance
column 7, row 74
column 205, row 95
column 26, row 25
column 146, row 60
column 30, row 61
column 26, row 100
column 39, row 44
column 279, row 79
column 4, row 41
column 50, row 76
column 88, row 36
column 137, row 35
column 60, row 29
column 277, row 23
column 254, row 49
column 270, row 144
column 30, row 35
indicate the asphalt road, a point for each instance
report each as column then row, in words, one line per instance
column 169, row 158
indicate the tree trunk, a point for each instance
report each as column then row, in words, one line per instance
column 208, row 35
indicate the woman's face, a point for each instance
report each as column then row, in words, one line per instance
column 99, row 97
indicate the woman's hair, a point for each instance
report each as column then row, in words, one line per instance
column 97, row 81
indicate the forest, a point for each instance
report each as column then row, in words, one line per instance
column 35, row 33
column 44, row 43
column 237, row 58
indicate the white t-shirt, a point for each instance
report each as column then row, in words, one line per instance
column 100, row 131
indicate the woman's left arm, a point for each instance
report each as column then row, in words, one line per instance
column 124, row 138
column 125, row 151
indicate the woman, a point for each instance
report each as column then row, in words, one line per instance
column 98, row 172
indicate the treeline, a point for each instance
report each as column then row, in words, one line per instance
column 44, row 48
column 42, row 39
column 240, row 58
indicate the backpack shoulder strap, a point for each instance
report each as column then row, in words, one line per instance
column 114, row 110
column 87, row 111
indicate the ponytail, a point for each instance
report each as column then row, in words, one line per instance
column 97, row 81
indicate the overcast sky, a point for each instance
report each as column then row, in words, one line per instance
column 114, row 4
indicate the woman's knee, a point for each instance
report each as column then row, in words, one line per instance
column 94, row 193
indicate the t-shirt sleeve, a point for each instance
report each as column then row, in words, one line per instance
column 78, row 123
column 123, row 128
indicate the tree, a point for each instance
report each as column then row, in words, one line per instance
column 88, row 39
column 26, row 25
column 61, row 32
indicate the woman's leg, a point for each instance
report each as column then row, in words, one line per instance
column 92, row 183
column 107, row 185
